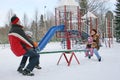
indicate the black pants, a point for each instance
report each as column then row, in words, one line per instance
column 33, row 59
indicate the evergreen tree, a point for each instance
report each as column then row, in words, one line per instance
column 41, row 27
column 83, row 5
column 117, row 21
column 42, row 21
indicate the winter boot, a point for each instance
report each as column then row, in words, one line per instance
column 27, row 72
column 20, row 69
column 99, row 59
column 91, row 51
column 89, row 56
column 38, row 67
column 86, row 54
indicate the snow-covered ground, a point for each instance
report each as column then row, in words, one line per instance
column 89, row 69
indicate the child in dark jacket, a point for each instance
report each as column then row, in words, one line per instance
column 24, row 58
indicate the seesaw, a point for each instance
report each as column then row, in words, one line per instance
column 64, row 52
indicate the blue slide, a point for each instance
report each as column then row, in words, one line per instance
column 49, row 35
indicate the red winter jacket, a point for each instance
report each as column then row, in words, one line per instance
column 19, row 42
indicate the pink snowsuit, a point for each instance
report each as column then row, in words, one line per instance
column 88, row 47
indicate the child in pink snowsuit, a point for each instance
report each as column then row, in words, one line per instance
column 88, row 47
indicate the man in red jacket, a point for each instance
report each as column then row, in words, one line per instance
column 24, row 58
column 21, row 45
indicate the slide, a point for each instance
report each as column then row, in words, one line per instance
column 47, row 37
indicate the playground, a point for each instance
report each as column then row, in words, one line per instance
column 65, row 60
column 73, row 29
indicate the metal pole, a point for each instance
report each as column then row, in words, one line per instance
column 97, row 24
column 66, row 32
column 112, row 31
column 56, row 16
column 90, row 24
column 106, row 27
column 109, row 33
column 106, row 34
column 71, row 21
column 59, row 18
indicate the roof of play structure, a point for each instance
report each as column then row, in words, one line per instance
column 71, row 5
column 88, row 15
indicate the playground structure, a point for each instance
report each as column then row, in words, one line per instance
column 90, row 18
column 69, row 26
column 68, row 13
column 109, row 29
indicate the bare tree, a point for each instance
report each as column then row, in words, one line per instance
column 4, row 34
column 25, row 21
column 50, row 20
column 36, row 25
column 101, row 15
column 41, row 27
column 32, row 28
column 92, row 5
column 9, row 15
column 95, row 5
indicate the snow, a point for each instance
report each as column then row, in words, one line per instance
column 71, row 5
column 88, row 69
column 67, row 3
column 88, row 15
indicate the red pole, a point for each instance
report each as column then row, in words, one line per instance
column 90, row 24
column 55, row 17
column 78, row 18
column 65, row 22
column 71, row 21
column 109, row 31
column 80, row 22
column 59, row 18
column 97, row 24
column 68, row 43
column 66, row 33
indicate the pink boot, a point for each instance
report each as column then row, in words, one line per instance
column 91, row 51
column 86, row 53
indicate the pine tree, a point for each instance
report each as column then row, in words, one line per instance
column 117, row 21
column 83, row 5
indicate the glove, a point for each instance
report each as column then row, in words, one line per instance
column 35, row 44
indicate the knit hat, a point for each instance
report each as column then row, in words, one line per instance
column 29, row 33
column 14, row 19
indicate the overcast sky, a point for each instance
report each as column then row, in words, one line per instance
column 28, row 6
column 24, row 6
